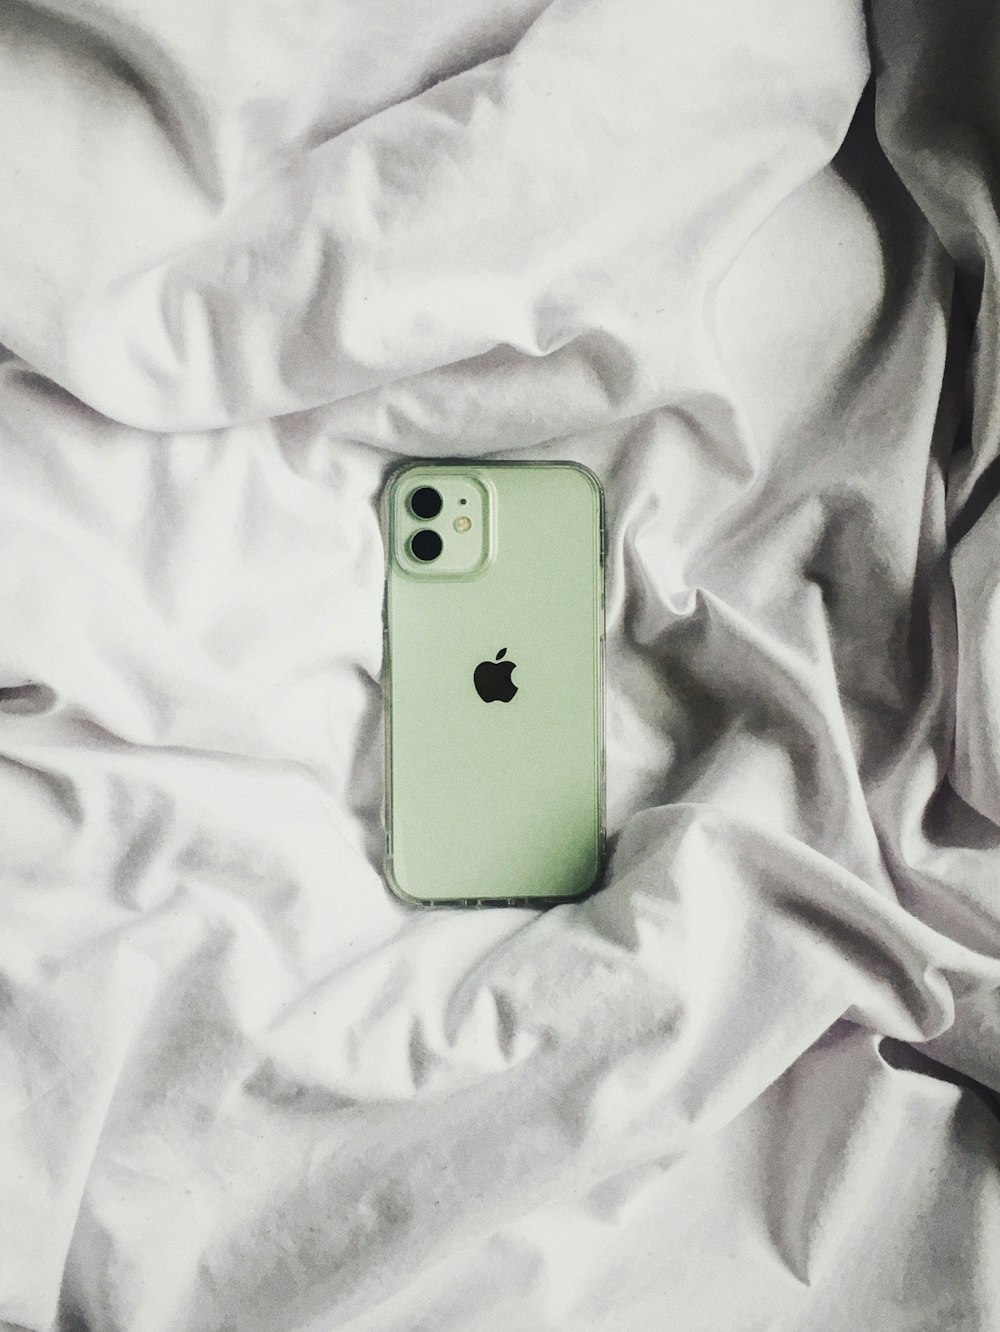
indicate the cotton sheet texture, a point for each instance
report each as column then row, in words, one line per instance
column 740, row 260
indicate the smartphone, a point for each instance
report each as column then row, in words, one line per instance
column 494, row 682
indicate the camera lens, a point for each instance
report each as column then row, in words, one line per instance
column 426, row 545
column 425, row 503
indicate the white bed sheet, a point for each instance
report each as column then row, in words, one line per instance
column 251, row 255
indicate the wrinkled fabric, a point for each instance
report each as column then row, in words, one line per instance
column 742, row 263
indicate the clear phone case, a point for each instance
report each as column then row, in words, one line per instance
column 494, row 682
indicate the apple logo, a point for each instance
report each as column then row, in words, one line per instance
column 492, row 679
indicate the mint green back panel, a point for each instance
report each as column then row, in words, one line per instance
column 499, row 800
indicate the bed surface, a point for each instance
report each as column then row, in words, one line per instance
column 742, row 263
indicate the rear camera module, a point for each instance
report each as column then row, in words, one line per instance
column 425, row 503
column 426, row 545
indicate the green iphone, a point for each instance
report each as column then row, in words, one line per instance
column 494, row 682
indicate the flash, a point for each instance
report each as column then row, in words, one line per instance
column 463, row 524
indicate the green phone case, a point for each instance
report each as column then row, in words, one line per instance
column 494, row 685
